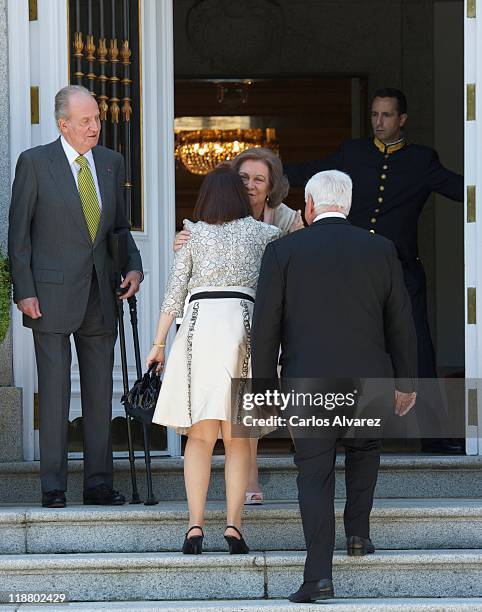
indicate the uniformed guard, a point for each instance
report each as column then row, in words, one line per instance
column 392, row 180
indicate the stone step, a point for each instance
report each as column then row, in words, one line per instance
column 210, row 576
column 395, row 524
column 267, row 605
column 400, row 476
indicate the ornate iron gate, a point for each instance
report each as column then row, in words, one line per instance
column 105, row 57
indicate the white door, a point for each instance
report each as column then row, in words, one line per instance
column 473, row 224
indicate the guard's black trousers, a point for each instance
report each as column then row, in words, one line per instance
column 431, row 407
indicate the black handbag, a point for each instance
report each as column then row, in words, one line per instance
column 140, row 402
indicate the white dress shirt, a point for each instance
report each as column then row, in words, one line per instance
column 72, row 155
column 329, row 214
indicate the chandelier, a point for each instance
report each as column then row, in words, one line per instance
column 200, row 151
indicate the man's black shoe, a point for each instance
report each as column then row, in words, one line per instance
column 102, row 495
column 357, row 546
column 444, row 446
column 54, row 499
column 313, row 591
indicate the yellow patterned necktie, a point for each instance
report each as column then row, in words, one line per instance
column 88, row 196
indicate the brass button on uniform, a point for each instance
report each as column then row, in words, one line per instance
column 386, row 156
column 382, row 188
column 373, row 220
column 377, row 210
column 385, row 167
column 380, row 200
column 372, row 231
column 383, row 177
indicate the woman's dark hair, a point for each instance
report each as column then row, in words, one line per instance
column 279, row 185
column 222, row 197
column 390, row 92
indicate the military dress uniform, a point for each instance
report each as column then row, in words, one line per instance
column 391, row 184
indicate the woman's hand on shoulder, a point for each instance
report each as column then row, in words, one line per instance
column 297, row 223
column 181, row 239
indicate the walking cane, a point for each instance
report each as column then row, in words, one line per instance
column 146, row 429
column 118, row 253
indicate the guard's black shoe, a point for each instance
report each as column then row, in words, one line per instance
column 313, row 591
column 102, row 495
column 357, row 546
column 443, row 446
column 54, row 499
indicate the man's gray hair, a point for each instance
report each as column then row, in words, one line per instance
column 62, row 99
column 330, row 189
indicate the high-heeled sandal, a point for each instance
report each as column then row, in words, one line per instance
column 253, row 498
column 236, row 546
column 194, row 544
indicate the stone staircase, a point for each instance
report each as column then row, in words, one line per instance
column 426, row 525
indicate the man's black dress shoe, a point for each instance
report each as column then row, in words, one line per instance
column 102, row 495
column 357, row 546
column 444, row 446
column 54, row 499
column 313, row 591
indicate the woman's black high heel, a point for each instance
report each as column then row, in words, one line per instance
column 236, row 546
column 194, row 544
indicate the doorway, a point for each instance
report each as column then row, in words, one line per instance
column 399, row 44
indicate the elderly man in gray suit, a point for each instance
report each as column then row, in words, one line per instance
column 67, row 197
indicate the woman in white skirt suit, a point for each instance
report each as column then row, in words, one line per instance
column 262, row 174
column 219, row 267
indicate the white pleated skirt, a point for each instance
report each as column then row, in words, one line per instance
column 211, row 348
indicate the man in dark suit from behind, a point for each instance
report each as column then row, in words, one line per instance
column 334, row 298
column 67, row 197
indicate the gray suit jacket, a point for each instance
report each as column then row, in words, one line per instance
column 51, row 254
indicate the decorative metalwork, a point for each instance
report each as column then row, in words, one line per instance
column 126, row 102
column 471, row 211
column 103, row 78
column 472, row 420
column 111, row 71
column 126, row 81
column 471, row 102
column 78, row 54
column 32, row 10
column 114, row 108
column 34, row 105
column 471, row 306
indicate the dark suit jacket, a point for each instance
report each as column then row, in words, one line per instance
column 411, row 175
column 51, row 254
column 333, row 296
